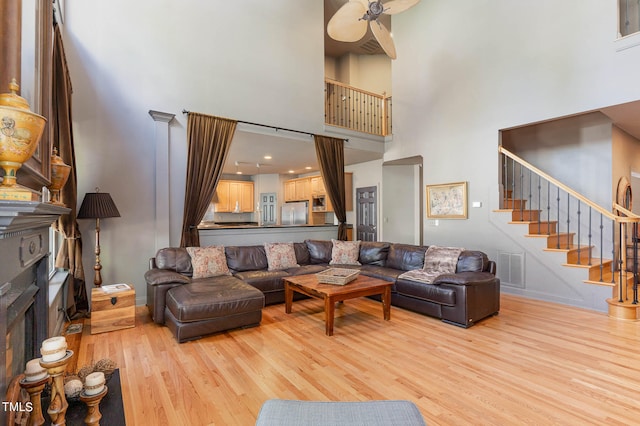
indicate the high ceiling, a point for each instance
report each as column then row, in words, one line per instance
column 366, row 46
column 295, row 152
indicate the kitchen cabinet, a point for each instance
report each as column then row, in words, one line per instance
column 289, row 191
column 231, row 192
column 319, row 191
column 317, row 186
column 303, row 192
column 297, row 190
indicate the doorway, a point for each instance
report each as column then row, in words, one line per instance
column 403, row 200
column 268, row 208
column 366, row 213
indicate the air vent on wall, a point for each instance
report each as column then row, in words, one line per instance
column 510, row 269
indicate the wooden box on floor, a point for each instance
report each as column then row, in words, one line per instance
column 112, row 311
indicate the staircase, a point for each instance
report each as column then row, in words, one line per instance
column 574, row 225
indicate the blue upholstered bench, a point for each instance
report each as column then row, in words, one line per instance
column 279, row 412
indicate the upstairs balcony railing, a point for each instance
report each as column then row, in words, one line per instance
column 596, row 234
column 355, row 109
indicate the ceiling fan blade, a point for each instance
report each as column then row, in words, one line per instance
column 397, row 6
column 345, row 24
column 383, row 36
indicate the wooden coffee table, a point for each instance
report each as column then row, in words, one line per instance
column 331, row 294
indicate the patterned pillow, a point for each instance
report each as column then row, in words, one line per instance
column 280, row 256
column 208, row 261
column 345, row 252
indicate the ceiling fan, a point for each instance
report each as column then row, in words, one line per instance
column 349, row 23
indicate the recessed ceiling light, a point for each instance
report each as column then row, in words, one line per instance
column 290, row 171
column 308, row 168
column 267, row 157
column 238, row 172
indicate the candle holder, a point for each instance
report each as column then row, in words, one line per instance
column 34, row 389
column 58, row 405
column 93, row 407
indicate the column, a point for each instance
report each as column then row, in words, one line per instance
column 161, row 138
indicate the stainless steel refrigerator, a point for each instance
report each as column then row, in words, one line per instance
column 294, row 213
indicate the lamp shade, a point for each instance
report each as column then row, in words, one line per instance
column 97, row 205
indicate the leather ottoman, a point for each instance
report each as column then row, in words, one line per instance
column 212, row 305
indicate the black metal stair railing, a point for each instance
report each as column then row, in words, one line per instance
column 572, row 222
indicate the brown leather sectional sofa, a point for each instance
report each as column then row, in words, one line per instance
column 193, row 308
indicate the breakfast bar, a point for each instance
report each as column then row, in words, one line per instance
column 252, row 234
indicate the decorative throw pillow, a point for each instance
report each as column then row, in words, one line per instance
column 280, row 256
column 345, row 252
column 208, row 261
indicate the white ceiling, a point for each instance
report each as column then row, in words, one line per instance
column 294, row 151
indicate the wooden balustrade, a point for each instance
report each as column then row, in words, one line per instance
column 356, row 109
column 595, row 236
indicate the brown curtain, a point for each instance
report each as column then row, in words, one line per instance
column 70, row 253
column 330, row 155
column 209, row 140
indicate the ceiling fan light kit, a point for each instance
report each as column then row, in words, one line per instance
column 349, row 23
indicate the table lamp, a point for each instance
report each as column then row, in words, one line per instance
column 97, row 205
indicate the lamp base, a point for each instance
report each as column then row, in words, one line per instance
column 18, row 193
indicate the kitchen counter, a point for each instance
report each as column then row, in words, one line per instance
column 249, row 226
column 239, row 235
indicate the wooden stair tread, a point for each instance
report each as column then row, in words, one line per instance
column 565, row 248
column 594, row 264
column 601, row 283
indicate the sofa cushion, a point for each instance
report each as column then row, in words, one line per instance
column 174, row 258
column 246, row 258
column 380, row 272
column 306, row 269
column 405, row 257
column 208, row 261
column 302, row 253
column 373, row 253
column 264, row 281
column 428, row 292
column 280, row 256
column 472, row 261
column 319, row 251
column 157, row 276
column 344, row 252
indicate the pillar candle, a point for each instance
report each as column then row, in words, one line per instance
column 53, row 349
column 34, row 371
column 94, row 383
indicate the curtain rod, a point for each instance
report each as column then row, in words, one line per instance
column 184, row 111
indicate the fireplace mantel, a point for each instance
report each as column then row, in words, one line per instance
column 16, row 216
column 24, row 282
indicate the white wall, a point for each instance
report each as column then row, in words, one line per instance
column 577, row 151
column 464, row 70
column 469, row 68
column 259, row 61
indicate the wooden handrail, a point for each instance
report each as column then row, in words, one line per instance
column 625, row 212
column 346, row 86
column 562, row 186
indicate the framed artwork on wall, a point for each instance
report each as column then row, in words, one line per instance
column 447, row 201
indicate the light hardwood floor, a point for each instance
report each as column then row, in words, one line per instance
column 535, row 363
